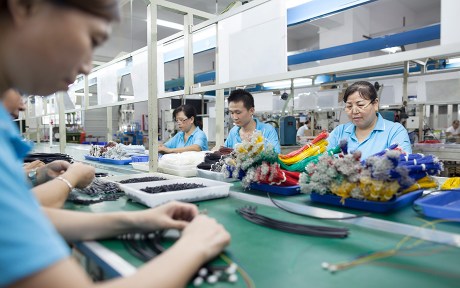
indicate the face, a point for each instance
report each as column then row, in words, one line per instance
column 51, row 45
column 183, row 122
column 13, row 103
column 455, row 124
column 362, row 112
column 239, row 114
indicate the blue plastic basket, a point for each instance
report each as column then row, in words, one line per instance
column 366, row 205
column 115, row 161
column 445, row 205
column 140, row 158
column 92, row 158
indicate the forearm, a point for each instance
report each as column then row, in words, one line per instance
column 79, row 226
column 173, row 268
column 52, row 194
column 193, row 147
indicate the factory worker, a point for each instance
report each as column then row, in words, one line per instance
column 241, row 109
column 367, row 131
column 44, row 45
column 190, row 137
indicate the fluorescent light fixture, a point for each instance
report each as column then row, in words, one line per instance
column 287, row 83
column 453, row 60
column 391, row 50
column 169, row 24
column 126, row 96
column 294, row 3
column 83, row 94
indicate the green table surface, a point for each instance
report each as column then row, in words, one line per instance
column 278, row 259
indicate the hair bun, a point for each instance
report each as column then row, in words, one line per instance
column 377, row 86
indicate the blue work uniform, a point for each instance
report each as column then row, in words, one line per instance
column 29, row 243
column 268, row 131
column 385, row 134
column 198, row 137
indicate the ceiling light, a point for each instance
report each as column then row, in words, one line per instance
column 294, row 3
column 287, row 83
column 453, row 60
column 391, row 50
column 169, row 24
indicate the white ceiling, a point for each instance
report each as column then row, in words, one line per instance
column 131, row 33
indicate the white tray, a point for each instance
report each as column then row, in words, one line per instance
column 213, row 189
column 178, row 172
column 140, row 175
column 143, row 166
column 214, row 176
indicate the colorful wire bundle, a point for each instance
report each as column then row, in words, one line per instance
column 378, row 178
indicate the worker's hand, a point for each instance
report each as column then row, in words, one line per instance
column 33, row 165
column 51, row 170
column 79, row 174
column 205, row 236
column 173, row 215
column 163, row 149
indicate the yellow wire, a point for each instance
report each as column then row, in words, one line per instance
column 243, row 273
column 388, row 253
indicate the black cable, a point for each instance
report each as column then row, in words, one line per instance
column 249, row 213
column 311, row 216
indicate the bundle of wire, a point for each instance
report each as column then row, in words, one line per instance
column 378, row 178
column 270, row 174
column 315, row 147
column 98, row 191
column 300, row 166
column 48, row 157
column 249, row 213
column 146, row 246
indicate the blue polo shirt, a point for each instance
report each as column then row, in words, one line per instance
column 268, row 131
column 28, row 241
column 198, row 137
column 385, row 134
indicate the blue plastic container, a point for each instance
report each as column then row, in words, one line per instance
column 115, row 161
column 92, row 158
column 445, row 205
column 140, row 158
column 281, row 190
column 366, row 205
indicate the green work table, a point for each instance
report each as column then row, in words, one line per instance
column 278, row 259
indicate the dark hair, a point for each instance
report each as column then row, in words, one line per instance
column 364, row 88
column 107, row 9
column 241, row 95
column 188, row 110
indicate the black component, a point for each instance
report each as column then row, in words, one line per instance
column 142, row 179
column 284, row 96
column 249, row 213
column 98, row 191
column 171, row 187
column 48, row 157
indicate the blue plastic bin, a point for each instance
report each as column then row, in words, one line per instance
column 140, row 158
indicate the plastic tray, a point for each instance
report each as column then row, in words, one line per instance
column 372, row 206
column 281, row 190
column 141, row 175
column 178, row 172
column 213, row 189
column 143, row 166
column 214, row 176
column 140, row 158
column 92, row 158
column 115, row 161
column 445, row 205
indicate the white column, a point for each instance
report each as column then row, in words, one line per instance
column 450, row 21
column 152, row 37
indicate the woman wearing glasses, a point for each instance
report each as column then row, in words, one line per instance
column 190, row 138
column 367, row 131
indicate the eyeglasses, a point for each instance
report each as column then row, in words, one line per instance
column 360, row 107
column 181, row 120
